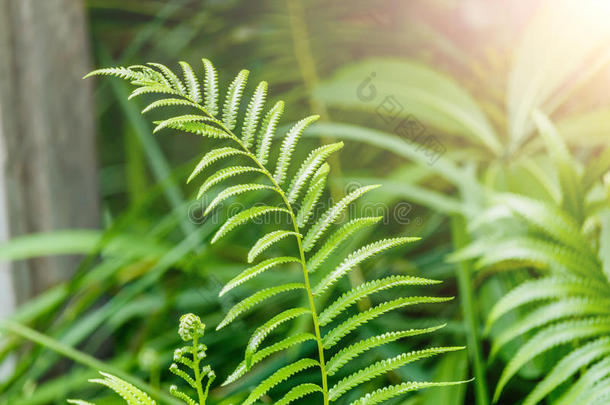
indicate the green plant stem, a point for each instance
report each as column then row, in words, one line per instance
column 278, row 189
column 82, row 358
column 198, row 379
column 471, row 319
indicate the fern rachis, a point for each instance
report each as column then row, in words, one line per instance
column 254, row 146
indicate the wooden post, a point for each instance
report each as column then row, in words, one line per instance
column 47, row 136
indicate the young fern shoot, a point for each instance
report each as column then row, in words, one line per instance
column 191, row 329
column 315, row 239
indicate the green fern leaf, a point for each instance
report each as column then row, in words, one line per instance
column 267, row 241
column 253, row 113
column 316, row 188
column 596, row 373
column 363, row 290
column 155, row 89
column 539, row 253
column 222, row 175
column 338, row 237
column 166, row 102
column 233, row 191
column 299, row 392
column 267, row 131
column 255, row 299
column 264, row 330
column 213, row 156
column 279, row 376
column 254, row 271
column 552, row 336
column 121, row 72
column 330, row 216
column 382, row 367
column 192, row 84
column 549, row 219
column 231, row 105
column 566, row 308
column 268, row 351
column 356, row 258
column 210, row 88
column 288, row 146
column 131, row 394
column 308, row 167
column 346, row 354
column 245, row 216
column 336, row 334
column 543, row 289
column 567, row 367
column 385, row 393
column 172, row 78
column 175, row 121
column 199, row 128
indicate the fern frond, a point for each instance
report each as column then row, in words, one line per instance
column 253, row 114
column 279, row 376
column 543, row 289
column 245, row 216
column 255, row 299
column 268, row 351
column 288, row 146
column 131, row 394
column 201, row 117
column 337, row 238
column 315, row 190
column 336, row 334
column 254, row 271
column 356, row 258
column 567, row 367
column 210, row 88
column 267, row 241
column 264, row 330
column 222, row 175
column 363, row 290
column 315, row 159
column 213, row 156
column 548, row 219
column 120, row 72
column 541, row 254
column 596, row 373
column 549, row 337
column 346, row 354
column 233, row 191
column 231, row 105
column 382, row 367
column 330, row 216
column 267, row 131
column 566, row 308
column 298, row 392
column 385, row 393
column 192, row 84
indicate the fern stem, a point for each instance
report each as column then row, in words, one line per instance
column 280, row 191
column 198, row 379
column 471, row 319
